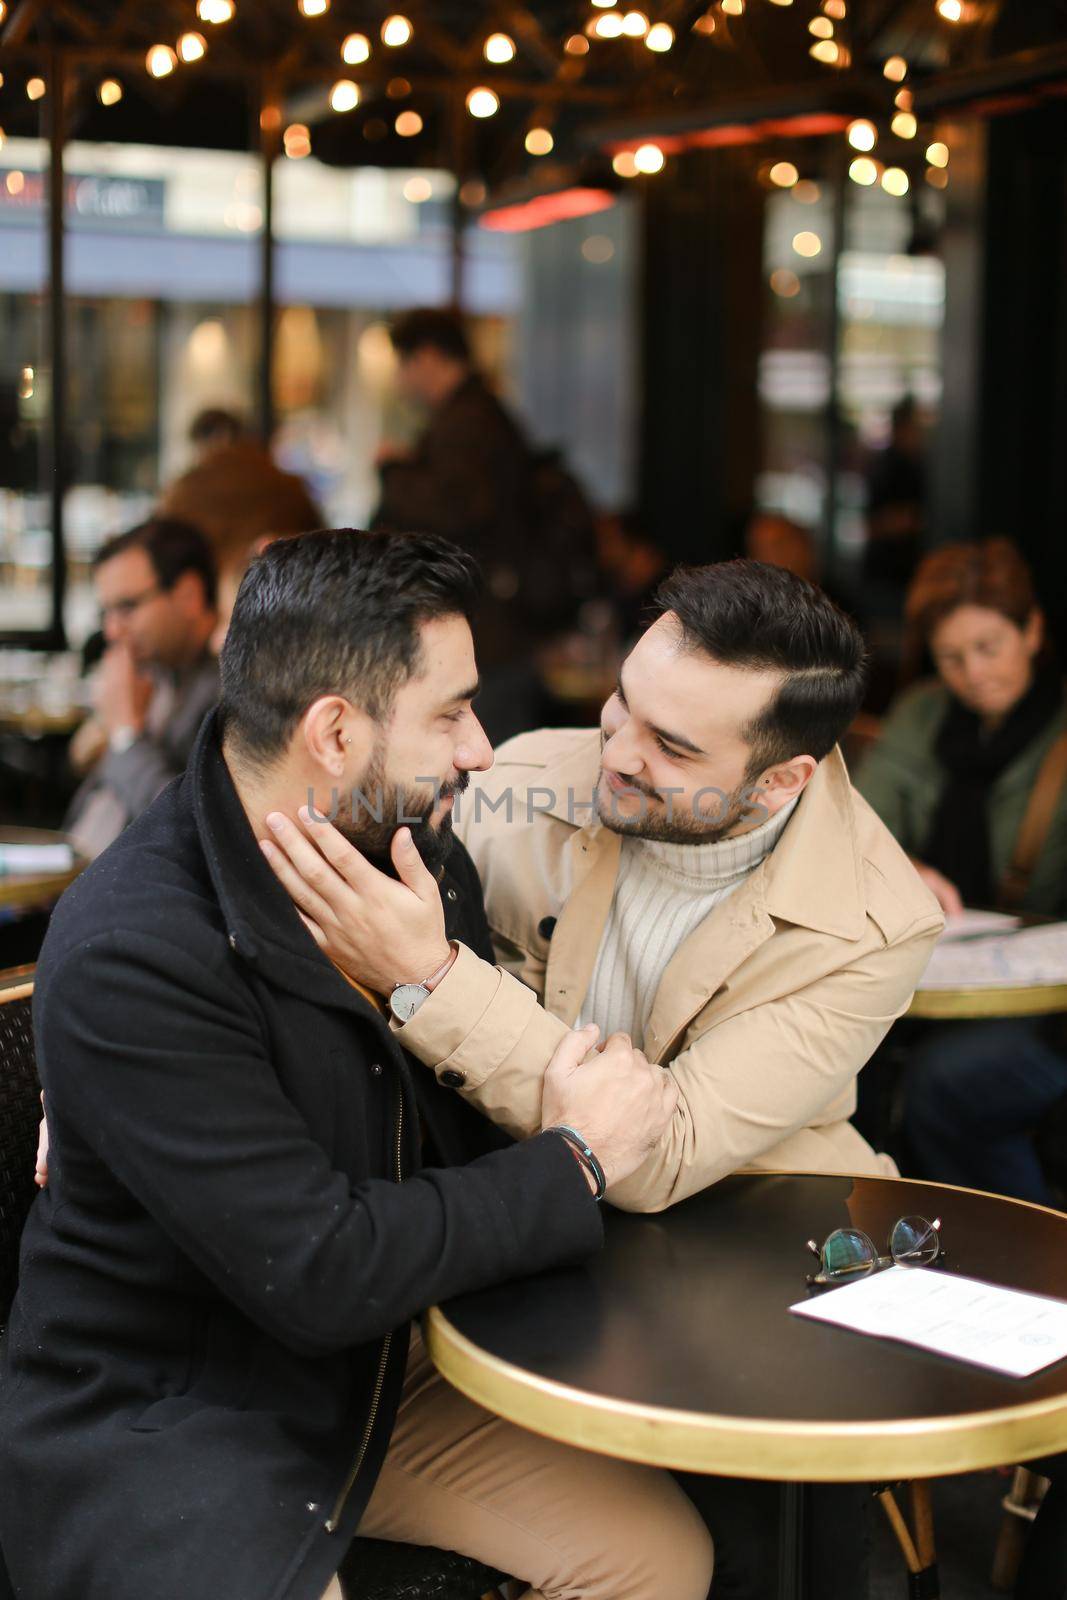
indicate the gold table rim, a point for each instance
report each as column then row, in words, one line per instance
column 775, row 1449
column 1014, row 1000
column 26, row 890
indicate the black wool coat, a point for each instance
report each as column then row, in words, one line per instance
column 221, row 1274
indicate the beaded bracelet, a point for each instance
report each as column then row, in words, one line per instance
column 575, row 1140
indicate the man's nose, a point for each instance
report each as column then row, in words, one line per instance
column 113, row 627
column 620, row 752
column 475, row 754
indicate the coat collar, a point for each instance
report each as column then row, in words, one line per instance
column 814, row 875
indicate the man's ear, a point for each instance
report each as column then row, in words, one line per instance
column 338, row 736
column 784, row 782
column 188, row 591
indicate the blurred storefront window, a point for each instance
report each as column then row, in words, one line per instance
column 162, row 275
column 828, row 394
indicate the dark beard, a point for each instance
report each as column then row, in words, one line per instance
column 380, row 809
column 683, row 827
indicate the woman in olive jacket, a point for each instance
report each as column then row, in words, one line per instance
column 952, row 778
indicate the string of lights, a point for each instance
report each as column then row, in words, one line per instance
column 608, row 25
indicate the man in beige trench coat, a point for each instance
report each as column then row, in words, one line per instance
column 698, row 873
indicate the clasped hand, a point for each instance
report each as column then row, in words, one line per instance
column 379, row 930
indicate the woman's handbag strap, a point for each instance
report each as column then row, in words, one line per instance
column 1034, row 830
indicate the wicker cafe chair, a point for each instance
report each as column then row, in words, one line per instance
column 373, row 1569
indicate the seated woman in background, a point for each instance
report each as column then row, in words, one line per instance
column 969, row 777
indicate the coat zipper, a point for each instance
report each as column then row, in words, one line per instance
column 379, row 1383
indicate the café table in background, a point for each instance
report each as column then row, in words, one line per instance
column 675, row 1346
column 966, row 1002
column 27, row 898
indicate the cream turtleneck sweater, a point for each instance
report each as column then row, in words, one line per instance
column 663, row 891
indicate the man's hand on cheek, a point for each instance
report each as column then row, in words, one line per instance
column 378, row 930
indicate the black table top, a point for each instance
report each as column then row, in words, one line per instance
column 675, row 1345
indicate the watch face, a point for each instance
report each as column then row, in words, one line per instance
column 406, row 999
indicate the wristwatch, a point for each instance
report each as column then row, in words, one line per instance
column 406, row 998
column 122, row 738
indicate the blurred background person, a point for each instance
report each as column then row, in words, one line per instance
column 155, row 680
column 952, row 776
column 960, row 753
column 473, row 477
column 239, row 497
column 896, row 511
column 778, row 541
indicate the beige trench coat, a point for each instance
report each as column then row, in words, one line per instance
column 765, row 1014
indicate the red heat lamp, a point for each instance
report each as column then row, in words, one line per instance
column 542, row 210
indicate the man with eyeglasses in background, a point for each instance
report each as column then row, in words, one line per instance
column 156, row 679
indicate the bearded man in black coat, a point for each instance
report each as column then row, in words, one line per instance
column 210, row 1379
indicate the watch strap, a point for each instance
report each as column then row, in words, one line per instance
column 577, row 1143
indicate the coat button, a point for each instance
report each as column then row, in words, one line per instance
column 452, row 1080
column 546, row 927
column 376, row 1068
column 450, row 894
column 232, row 941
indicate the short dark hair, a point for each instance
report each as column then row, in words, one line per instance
column 215, row 423
column 764, row 619
column 172, row 546
column 333, row 612
column 430, row 327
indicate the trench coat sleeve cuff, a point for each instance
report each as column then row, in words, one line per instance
column 471, row 1023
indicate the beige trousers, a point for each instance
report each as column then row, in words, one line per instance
column 573, row 1525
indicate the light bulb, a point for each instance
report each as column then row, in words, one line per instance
column 192, row 46
column 660, row 37
column 344, row 96
column 863, row 171
column 356, row 49
column 649, row 158
column 160, row 60
column 482, row 103
column 396, row 31
column 499, row 49
column 296, row 141
column 635, row 24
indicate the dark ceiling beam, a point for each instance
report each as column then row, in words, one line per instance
column 424, row 83
column 23, row 15
column 832, row 97
column 1025, row 70
column 520, row 21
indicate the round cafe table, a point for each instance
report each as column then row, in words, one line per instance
column 675, row 1345
column 976, row 1004
column 29, row 891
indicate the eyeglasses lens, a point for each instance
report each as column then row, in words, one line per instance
column 914, row 1242
column 848, row 1251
